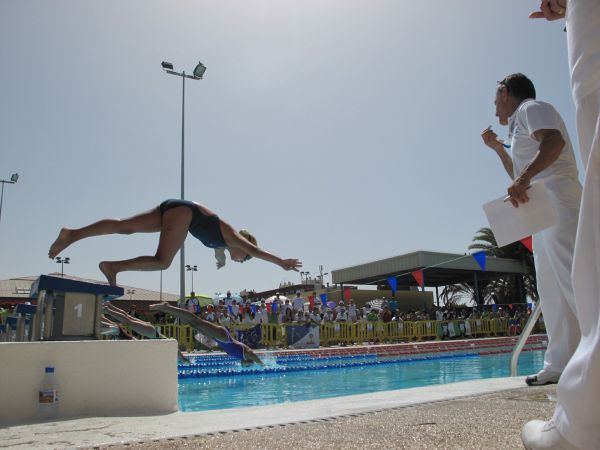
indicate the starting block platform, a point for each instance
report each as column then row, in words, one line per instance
column 64, row 331
column 66, row 310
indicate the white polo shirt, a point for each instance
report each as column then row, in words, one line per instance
column 561, row 177
column 298, row 303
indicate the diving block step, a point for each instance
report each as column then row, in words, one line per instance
column 69, row 309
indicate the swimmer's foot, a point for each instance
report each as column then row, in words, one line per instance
column 111, row 276
column 62, row 241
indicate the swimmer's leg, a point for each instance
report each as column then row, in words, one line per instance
column 141, row 327
column 147, row 222
column 173, row 231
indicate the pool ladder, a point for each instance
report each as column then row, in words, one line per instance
column 533, row 318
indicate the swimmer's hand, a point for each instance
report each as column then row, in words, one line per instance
column 220, row 257
column 290, row 264
column 182, row 358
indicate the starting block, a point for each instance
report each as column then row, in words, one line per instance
column 67, row 309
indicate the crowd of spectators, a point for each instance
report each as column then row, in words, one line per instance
column 230, row 310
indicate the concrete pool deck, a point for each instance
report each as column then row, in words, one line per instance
column 474, row 414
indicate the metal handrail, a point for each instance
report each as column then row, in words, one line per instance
column 533, row 318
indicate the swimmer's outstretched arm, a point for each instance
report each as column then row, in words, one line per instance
column 205, row 327
column 251, row 356
column 208, row 329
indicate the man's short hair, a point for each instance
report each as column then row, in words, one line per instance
column 519, row 86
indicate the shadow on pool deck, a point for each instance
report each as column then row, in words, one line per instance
column 470, row 415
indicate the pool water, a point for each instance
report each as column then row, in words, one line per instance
column 333, row 378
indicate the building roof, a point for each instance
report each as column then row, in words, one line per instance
column 439, row 269
column 19, row 288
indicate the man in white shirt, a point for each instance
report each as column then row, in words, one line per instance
column 235, row 310
column 298, row 303
column 541, row 150
column 338, row 309
column 351, row 311
column 439, row 315
column 262, row 316
column 315, row 317
column 192, row 304
column 224, row 319
column 576, row 422
column 228, row 299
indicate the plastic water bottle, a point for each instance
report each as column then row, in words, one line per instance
column 48, row 396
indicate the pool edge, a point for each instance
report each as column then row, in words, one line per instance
column 107, row 431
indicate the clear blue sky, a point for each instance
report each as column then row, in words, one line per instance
column 337, row 131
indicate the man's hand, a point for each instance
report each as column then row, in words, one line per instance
column 550, row 10
column 518, row 191
column 491, row 139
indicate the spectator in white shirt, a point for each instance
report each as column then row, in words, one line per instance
column 315, row 317
column 298, row 302
column 228, row 300
column 352, row 317
column 224, row 319
column 338, row 308
column 235, row 310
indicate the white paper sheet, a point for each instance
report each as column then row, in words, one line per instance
column 511, row 224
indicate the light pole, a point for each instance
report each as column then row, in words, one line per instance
column 62, row 262
column 197, row 75
column 192, row 269
column 13, row 179
column 160, row 295
column 321, row 274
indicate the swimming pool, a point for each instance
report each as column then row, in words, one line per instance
column 224, row 384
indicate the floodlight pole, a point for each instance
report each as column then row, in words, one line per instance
column 13, row 179
column 168, row 68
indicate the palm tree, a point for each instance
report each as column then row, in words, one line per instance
column 501, row 290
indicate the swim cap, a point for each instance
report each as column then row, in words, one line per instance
column 248, row 237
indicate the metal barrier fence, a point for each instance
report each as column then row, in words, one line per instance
column 335, row 333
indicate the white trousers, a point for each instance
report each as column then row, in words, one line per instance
column 577, row 414
column 553, row 252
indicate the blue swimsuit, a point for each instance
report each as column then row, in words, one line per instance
column 234, row 349
column 207, row 229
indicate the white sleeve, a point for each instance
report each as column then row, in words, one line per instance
column 540, row 116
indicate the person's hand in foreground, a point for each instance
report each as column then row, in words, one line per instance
column 550, row 10
column 517, row 191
